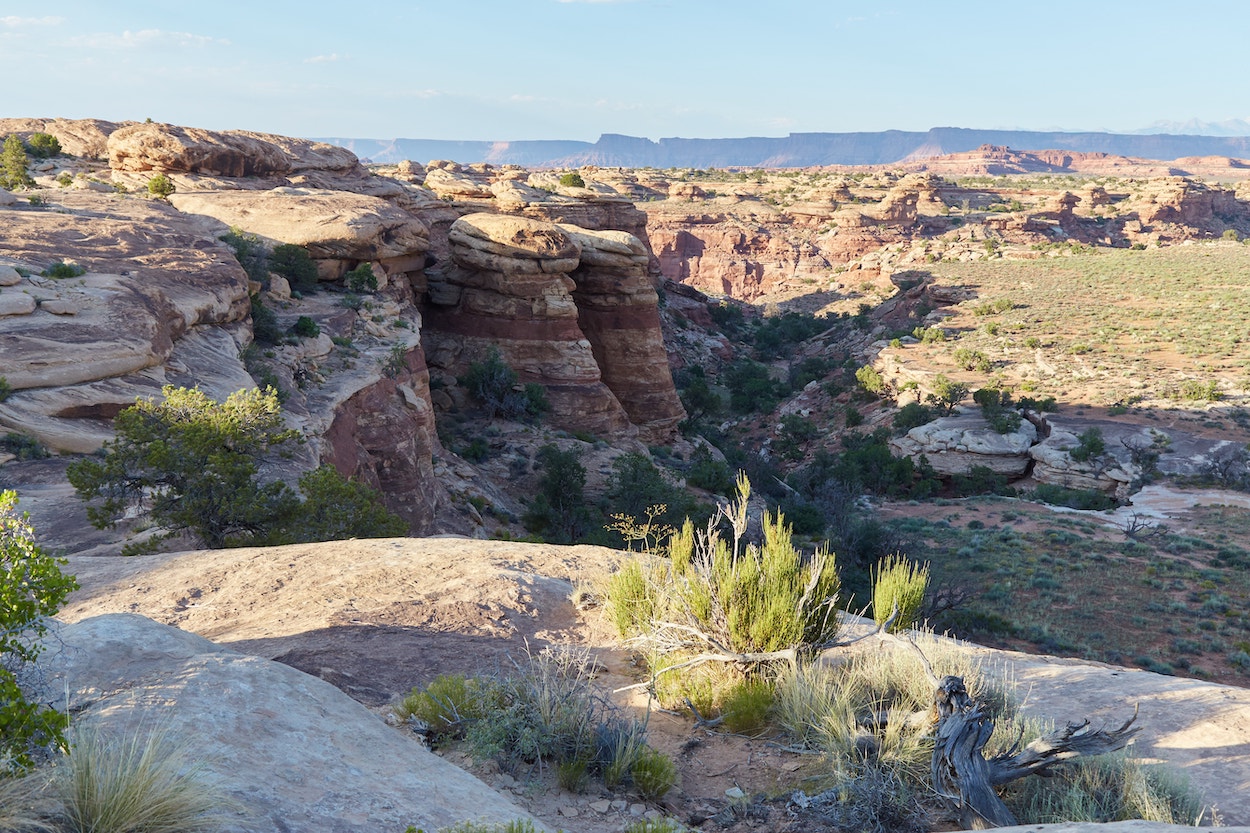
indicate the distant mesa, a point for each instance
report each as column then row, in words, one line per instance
column 798, row 150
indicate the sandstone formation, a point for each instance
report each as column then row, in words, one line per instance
column 509, row 289
column 295, row 753
column 1112, row 471
column 167, row 148
column 78, row 137
column 954, row 445
column 152, row 279
column 617, row 310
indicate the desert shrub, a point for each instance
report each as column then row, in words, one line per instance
column 305, row 327
column 13, row 163
column 336, row 508
column 1090, row 445
column 446, row 705
column 43, row 146
column 756, row 598
column 981, row 480
column 751, row 388
column 852, row 416
column 1090, row 499
column 697, row 397
column 747, row 705
column 809, row 370
column 250, row 252
column 22, row 446
column 870, row 380
column 296, row 265
column 149, row 783
column 970, row 359
column 636, row 485
column 6, row 390
column 572, row 179
column 996, row 409
column 929, row 335
column 60, row 269
column 653, row 774
column 265, row 327
column 493, row 383
column 1108, row 788
column 1195, row 390
column 868, row 465
column 777, row 333
column 727, row 316
column 706, row 472
column 64, row 179
column 797, row 433
column 900, row 584
column 993, row 307
column 161, row 186
column 947, row 394
column 912, row 415
column 1044, row 405
column 191, row 463
column 32, row 589
column 559, row 511
column 361, row 279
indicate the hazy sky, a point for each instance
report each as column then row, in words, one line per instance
column 573, row 69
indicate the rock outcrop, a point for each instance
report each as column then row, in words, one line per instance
column 954, row 445
column 167, row 148
column 295, row 753
column 509, row 289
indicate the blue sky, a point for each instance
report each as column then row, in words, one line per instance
column 573, row 69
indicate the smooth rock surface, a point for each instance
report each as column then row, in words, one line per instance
column 296, row 753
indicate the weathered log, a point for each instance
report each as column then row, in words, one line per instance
column 965, row 780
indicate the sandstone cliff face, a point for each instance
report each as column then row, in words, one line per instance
column 168, row 148
column 509, row 289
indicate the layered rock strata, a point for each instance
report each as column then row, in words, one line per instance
column 509, row 289
column 954, row 445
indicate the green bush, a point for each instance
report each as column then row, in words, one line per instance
column 1090, row 445
column 970, row 359
column 870, row 380
column 777, row 335
column 751, row 387
column 265, row 327
column 900, row 584
column 653, row 773
column 796, row 436
column 708, row 473
column 305, row 327
column 362, row 279
column 572, row 180
column 64, row 179
column 559, row 511
column 996, row 409
column 250, row 252
column 43, row 146
column 32, row 589
column 13, row 164
column 296, row 265
column 912, row 415
column 192, row 464
column 636, row 486
column 60, row 269
column 493, row 383
column 947, row 394
column 161, row 186
column 1091, row 499
column 6, row 390
column 22, row 446
column 446, row 705
column 747, row 706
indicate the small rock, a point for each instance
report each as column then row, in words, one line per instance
column 619, row 804
column 637, row 809
column 9, row 276
column 601, row 806
column 59, row 306
column 791, row 766
column 735, row 793
column 505, row 780
column 16, row 303
column 653, row 815
column 568, row 811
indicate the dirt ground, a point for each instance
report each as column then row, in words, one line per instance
column 378, row 617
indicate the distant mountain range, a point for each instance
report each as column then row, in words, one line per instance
column 795, row 150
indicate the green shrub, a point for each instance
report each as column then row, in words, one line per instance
column 1194, row 390
column 852, row 416
column 870, row 380
column 1090, row 499
column 43, row 146
column 947, row 394
column 1090, row 445
column 362, row 279
column 970, row 359
column 64, row 179
column 446, row 705
column 32, row 589
column 706, row 472
column 493, row 383
column 559, row 511
column 250, row 252
column 572, row 180
column 796, row 435
column 13, row 164
column 636, row 486
column 653, row 774
column 265, row 328
column 161, row 186
column 751, row 387
column 996, row 409
column 6, row 390
column 305, row 327
column 912, row 415
column 747, row 706
column 296, row 265
column 60, row 269
column 22, row 446
column 336, row 508
column 899, row 584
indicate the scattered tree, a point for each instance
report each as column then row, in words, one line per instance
column 572, row 180
column 43, row 146
column 32, row 589
column 296, row 265
column 161, row 186
column 13, row 163
column 947, row 394
column 559, row 512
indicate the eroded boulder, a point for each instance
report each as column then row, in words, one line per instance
column 955, row 444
